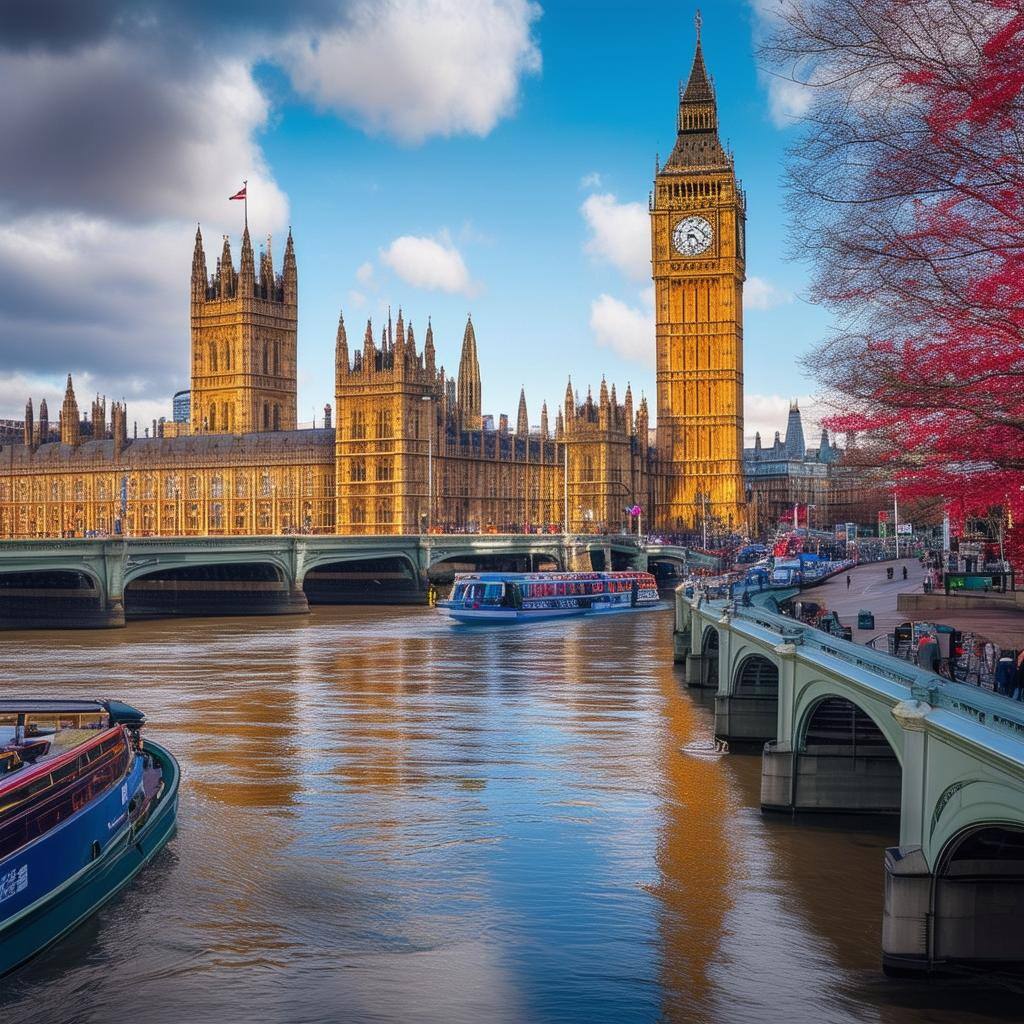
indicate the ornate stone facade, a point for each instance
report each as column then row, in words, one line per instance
column 698, row 263
column 405, row 454
column 410, row 448
column 243, row 342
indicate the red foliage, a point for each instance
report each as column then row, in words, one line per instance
column 923, row 212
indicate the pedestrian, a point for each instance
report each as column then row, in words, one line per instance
column 1018, row 691
column 904, row 572
column 928, row 653
column 1005, row 671
column 848, row 581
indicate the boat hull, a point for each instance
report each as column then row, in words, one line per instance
column 493, row 616
column 71, row 903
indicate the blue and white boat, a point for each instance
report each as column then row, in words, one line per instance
column 84, row 806
column 499, row 597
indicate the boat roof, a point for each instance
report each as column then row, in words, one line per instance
column 515, row 577
column 49, row 706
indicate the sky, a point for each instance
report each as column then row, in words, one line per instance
column 442, row 156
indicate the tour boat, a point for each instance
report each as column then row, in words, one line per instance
column 84, row 805
column 531, row 596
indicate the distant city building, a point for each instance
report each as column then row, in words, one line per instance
column 181, row 406
column 788, row 473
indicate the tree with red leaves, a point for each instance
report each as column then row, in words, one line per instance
column 906, row 191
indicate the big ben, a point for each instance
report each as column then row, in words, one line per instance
column 697, row 223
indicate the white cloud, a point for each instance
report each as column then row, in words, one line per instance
column 626, row 330
column 94, row 268
column 788, row 101
column 417, row 68
column 364, row 275
column 620, row 234
column 768, row 413
column 591, row 180
column 431, row 263
column 761, row 294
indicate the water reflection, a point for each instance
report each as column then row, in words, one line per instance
column 385, row 818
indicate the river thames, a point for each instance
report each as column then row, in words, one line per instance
column 387, row 818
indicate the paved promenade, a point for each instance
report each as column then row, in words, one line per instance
column 870, row 589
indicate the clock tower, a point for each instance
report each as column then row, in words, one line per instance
column 697, row 241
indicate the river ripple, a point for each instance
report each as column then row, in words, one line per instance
column 385, row 818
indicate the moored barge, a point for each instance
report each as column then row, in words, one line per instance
column 84, row 805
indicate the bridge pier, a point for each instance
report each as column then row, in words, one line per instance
column 840, row 780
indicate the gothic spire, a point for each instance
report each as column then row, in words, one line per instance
column 428, row 347
column 470, row 398
column 522, row 419
column 544, row 421
column 341, row 346
column 198, row 268
column 697, row 144
column 69, row 418
column 290, row 273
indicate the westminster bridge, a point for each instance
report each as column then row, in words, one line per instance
column 843, row 728
column 89, row 583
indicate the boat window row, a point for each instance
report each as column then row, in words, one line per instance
column 43, row 802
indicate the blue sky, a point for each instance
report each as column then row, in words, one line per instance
column 519, row 189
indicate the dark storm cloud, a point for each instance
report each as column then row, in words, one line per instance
column 65, row 24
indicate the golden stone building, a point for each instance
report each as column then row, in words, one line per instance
column 698, row 263
column 410, row 448
column 409, row 451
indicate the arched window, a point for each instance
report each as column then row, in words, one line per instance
column 266, row 415
column 277, row 359
column 265, row 368
column 212, row 418
column 277, row 416
column 227, row 356
column 213, row 357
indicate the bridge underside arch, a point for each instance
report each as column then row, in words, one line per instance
column 749, row 711
column 979, row 897
column 442, row 571
column 842, row 761
column 48, row 598
column 668, row 570
column 391, row 579
column 219, row 588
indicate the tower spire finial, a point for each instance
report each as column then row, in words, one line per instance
column 698, row 21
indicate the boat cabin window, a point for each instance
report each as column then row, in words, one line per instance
column 482, row 593
column 41, row 803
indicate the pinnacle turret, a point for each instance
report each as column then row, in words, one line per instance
column 341, row 346
column 70, row 428
column 290, row 274
column 522, row 419
column 470, row 397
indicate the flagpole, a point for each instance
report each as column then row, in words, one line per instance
column 245, row 201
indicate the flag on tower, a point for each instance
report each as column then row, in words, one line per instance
column 240, row 194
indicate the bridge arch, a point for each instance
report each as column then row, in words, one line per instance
column 389, row 577
column 845, row 756
column 747, row 703
column 69, row 596
column 710, row 646
column 977, row 894
column 808, row 700
column 255, row 585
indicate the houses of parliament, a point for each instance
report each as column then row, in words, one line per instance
column 407, row 447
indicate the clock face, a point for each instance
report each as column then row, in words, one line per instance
column 692, row 236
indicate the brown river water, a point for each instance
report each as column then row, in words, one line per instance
column 387, row 818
